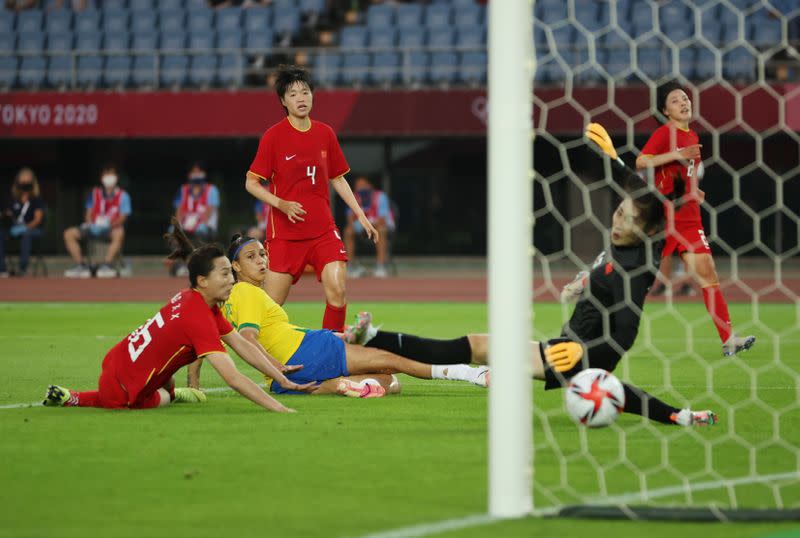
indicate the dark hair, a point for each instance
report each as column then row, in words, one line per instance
column 286, row 75
column 662, row 93
column 650, row 202
column 199, row 261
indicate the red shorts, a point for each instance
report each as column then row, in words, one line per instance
column 292, row 257
column 686, row 237
column 114, row 395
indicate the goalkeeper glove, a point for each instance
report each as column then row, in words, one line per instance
column 563, row 356
column 598, row 134
column 573, row 290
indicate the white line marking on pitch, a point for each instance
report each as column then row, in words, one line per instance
column 476, row 520
column 39, row 404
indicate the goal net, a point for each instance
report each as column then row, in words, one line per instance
column 601, row 61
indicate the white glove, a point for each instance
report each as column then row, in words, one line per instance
column 573, row 290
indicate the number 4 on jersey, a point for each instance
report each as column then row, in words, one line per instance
column 311, row 171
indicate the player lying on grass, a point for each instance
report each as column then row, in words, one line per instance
column 327, row 361
column 137, row 372
column 604, row 323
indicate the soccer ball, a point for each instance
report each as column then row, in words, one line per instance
column 594, row 398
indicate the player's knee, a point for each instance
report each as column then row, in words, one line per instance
column 479, row 347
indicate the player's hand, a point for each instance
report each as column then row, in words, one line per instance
column 293, row 210
column 290, row 368
column 306, row 387
column 690, row 152
column 563, row 356
column 573, row 290
column 372, row 233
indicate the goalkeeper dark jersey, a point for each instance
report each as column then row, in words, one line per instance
column 606, row 318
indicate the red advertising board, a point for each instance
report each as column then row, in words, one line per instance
column 372, row 113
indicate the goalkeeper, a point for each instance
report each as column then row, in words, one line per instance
column 605, row 321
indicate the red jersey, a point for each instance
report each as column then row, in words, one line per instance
column 298, row 165
column 185, row 329
column 670, row 138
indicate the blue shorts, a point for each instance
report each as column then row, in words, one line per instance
column 322, row 355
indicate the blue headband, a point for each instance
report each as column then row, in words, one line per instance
column 239, row 249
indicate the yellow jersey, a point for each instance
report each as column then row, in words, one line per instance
column 250, row 306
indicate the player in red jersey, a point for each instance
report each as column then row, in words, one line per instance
column 137, row 372
column 298, row 157
column 674, row 148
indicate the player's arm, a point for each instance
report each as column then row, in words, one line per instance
column 252, row 356
column 193, row 374
column 242, row 384
column 344, row 191
column 293, row 210
column 251, row 335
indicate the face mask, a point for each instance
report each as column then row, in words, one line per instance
column 364, row 193
column 109, row 181
column 197, row 179
column 25, row 187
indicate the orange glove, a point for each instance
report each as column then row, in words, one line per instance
column 563, row 356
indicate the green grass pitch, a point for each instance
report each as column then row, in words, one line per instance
column 343, row 467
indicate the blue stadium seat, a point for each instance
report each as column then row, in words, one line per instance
column 200, row 20
column 592, row 15
column 90, row 70
column 143, row 21
column 311, row 7
column 117, row 72
column 30, row 42
column 277, row 5
column 353, row 37
column 458, row 4
column 201, row 42
column 58, row 21
column 59, row 71
column 115, row 4
column 7, row 41
column 88, row 41
column 172, row 41
column 414, row 67
column 551, row 11
column 174, row 69
column 258, row 42
column 287, row 21
column 8, row 71
column 764, row 31
column 382, row 38
column 705, row 64
column 441, row 38
column 739, row 65
column 7, row 20
column 564, row 39
column 473, row 67
column 412, row 38
column 144, row 41
column 87, row 20
column 623, row 9
column 385, row 68
column 409, row 16
column 651, row 62
column 327, row 69
column 229, row 19
column 168, row 5
column 438, row 16
column 32, row 72
column 115, row 20
column 539, row 34
column 257, row 19
column 380, row 16
column 472, row 37
column 117, row 41
column 729, row 25
column 712, row 29
column 678, row 33
column 616, row 62
column 468, row 17
column 231, row 69
column 195, row 4
column 171, row 21
column 229, row 40
column 444, row 67
column 59, row 41
column 29, row 21
column 203, row 70
column 355, row 68
column 626, row 26
column 642, row 17
column 144, row 70
column 687, row 62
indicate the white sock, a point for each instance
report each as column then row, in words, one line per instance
column 371, row 333
column 684, row 417
column 454, row 372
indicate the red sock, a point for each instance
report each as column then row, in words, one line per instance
column 334, row 318
column 718, row 308
column 89, row 398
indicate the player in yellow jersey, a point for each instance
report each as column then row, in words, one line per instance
column 336, row 367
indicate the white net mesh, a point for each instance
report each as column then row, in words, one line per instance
column 601, row 61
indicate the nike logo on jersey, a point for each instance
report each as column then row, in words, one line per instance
column 290, row 157
column 343, row 251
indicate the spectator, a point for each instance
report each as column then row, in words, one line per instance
column 22, row 219
column 21, row 5
column 259, row 231
column 76, row 5
column 107, row 209
column 378, row 210
column 196, row 208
